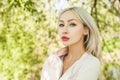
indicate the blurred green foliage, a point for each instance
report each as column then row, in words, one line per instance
column 28, row 33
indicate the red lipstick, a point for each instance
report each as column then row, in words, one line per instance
column 64, row 38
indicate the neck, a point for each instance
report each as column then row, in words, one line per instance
column 76, row 50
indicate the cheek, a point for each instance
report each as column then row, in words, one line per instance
column 77, row 32
column 59, row 32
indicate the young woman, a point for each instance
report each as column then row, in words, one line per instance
column 79, row 59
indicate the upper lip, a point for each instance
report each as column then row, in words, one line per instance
column 65, row 37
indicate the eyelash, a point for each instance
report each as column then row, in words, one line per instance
column 61, row 25
column 71, row 25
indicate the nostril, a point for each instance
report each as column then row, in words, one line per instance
column 65, row 32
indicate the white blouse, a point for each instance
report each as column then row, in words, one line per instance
column 85, row 68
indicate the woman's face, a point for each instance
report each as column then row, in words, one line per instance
column 71, row 29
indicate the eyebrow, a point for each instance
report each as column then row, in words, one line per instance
column 68, row 20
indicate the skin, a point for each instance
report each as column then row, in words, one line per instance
column 71, row 26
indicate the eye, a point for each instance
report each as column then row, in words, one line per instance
column 61, row 25
column 72, row 24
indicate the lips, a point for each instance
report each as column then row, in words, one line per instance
column 64, row 38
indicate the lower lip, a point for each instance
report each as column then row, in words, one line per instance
column 65, row 39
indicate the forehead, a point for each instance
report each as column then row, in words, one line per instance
column 67, row 15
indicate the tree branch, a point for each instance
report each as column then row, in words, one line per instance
column 94, row 11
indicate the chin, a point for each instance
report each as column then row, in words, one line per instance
column 69, row 43
column 66, row 44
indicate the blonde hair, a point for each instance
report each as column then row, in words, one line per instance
column 92, row 41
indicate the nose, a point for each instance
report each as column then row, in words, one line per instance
column 65, row 30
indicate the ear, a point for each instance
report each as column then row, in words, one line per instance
column 86, row 31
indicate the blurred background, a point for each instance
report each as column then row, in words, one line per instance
column 28, row 34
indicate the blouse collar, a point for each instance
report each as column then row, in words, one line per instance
column 62, row 52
